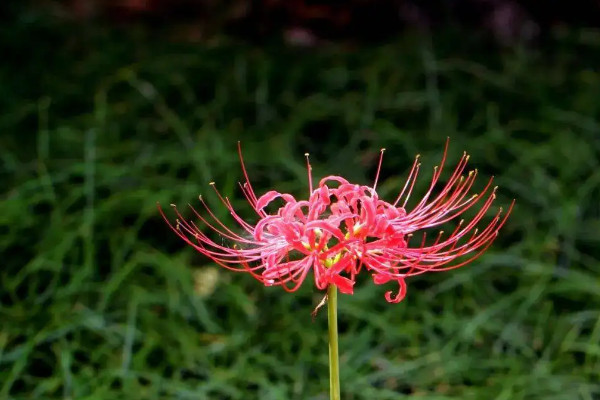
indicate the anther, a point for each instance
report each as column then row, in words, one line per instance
column 172, row 205
column 212, row 183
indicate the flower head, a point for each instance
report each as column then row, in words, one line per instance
column 343, row 228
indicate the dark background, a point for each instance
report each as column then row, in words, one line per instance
column 354, row 19
column 108, row 107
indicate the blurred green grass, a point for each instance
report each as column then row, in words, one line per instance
column 99, row 300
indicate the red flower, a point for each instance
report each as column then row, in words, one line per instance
column 343, row 227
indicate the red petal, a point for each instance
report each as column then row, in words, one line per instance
column 344, row 284
column 380, row 279
column 401, row 293
column 268, row 197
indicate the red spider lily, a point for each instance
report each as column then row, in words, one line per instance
column 343, row 227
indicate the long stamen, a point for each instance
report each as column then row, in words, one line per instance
column 309, row 171
column 378, row 169
column 413, row 171
column 249, row 185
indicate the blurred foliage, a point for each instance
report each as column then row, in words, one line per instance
column 99, row 300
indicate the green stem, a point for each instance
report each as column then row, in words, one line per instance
column 334, row 364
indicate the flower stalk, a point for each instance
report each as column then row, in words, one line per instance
column 334, row 359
